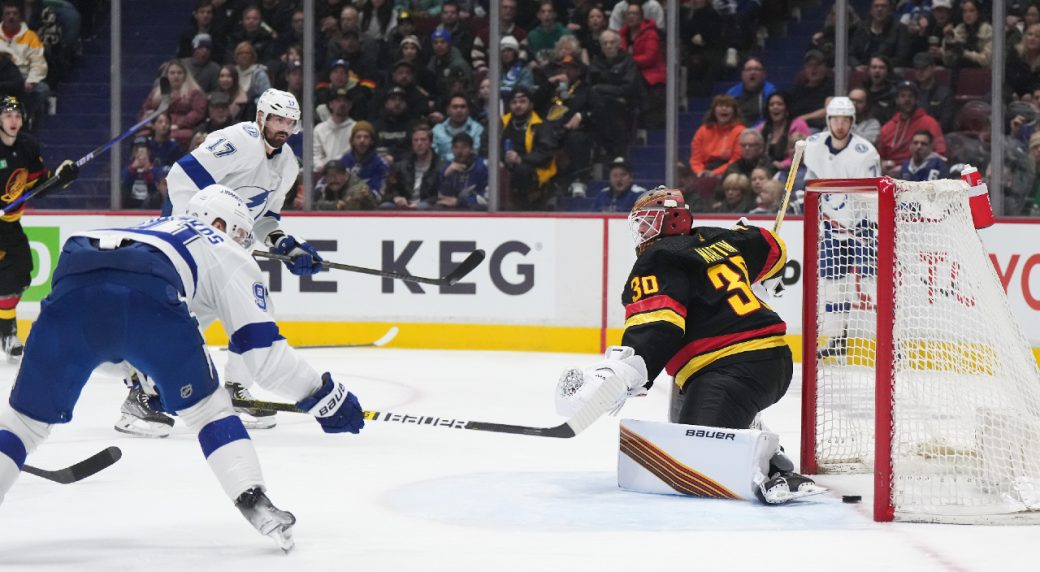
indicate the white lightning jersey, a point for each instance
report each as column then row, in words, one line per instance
column 857, row 160
column 236, row 157
column 222, row 282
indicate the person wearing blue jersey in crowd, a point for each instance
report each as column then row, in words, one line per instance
column 923, row 164
column 621, row 193
column 168, row 277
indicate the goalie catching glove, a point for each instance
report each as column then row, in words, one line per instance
column 305, row 259
column 336, row 409
column 576, row 386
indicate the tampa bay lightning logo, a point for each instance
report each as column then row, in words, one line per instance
column 256, row 199
column 861, row 148
column 834, row 201
column 250, row 129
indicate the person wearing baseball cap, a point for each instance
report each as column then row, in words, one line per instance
column 332, row 136
column 200, row 64
column 896, row 135
column 447, row 62
column 528, row 152
column 621, row 193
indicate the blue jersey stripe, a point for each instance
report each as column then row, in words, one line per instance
column 178, row 246
column 195, row 171
column 218, row 433
column 252, row 336
column 13, row 447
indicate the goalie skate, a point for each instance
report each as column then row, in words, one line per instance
column 786, row 486
column 13, row 347
column 266, row 518
column 251, row 417
column 140, row 419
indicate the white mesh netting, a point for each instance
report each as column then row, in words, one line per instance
column 966, row 411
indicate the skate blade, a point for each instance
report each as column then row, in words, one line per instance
column 283, row 536
column 139, row 428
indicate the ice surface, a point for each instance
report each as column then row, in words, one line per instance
column 427, row 498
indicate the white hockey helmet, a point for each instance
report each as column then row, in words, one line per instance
column 278, row 102
column 841, row 107
column 220, row 202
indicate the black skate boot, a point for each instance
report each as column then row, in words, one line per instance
column 139, row 418
column 9, row 342
column 783, row 484
column 266, row 518
column 251, row 417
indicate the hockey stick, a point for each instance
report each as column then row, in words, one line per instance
column 81, row 470
column 164, row 103
column 799, row 150
column 450, row 279
column 603, row 400
column 386, row 339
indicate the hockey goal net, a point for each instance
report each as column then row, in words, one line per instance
column 914, row 368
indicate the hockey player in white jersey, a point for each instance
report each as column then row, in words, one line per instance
column 848, row 236
column 139, row 294
column 252, row 159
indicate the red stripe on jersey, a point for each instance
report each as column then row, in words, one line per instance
column 772, row 257
column 36, row 174
column 655, row 303
column 705, row 345
column 9, row 302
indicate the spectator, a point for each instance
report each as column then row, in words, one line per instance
column 972, row 42
column 458, row 121
column 378, row 20
column 880, row 89
column 937, row 27
column 778, row 129
column 882, row 35
column 403, row 76
column 1033, row 200
column 865, row 126
column 759, row 176
column 278, row 68
column 332, row 136
column 752, row 153
column 294, row 79
column 218, row 116
column 393, row 124
column 362, row 57
column 621, row 193
column 140, row 178
column 715, row 145
column 410, row 51
column 447, row 61
column 340, row 189
column 767, row 202
column 291, row 35
column 413, row 180
column 700, row 35
column 187, row 103
column 753, row 91
column 652, row 10
column 11, row 82
column 252, row 77
column 810, row 94
column 573, row 115
column 463, row 183
column 896, row 134
column 162, row 149
column 27, row 53
column 227, row 83
column 340, row 79
column 203, row 22
column 507, row 27
column 362, row 160
column 544, row 37
column 640, row 38
column 1022, row 71
column 736, row 195
column 461, row 38
column 200, row 65
column 588, row 35
column 616, row 88
column 914, row 15
column 690, row 185
column 935, row 98
column 514, row 70
column 923, row 164
column 250, row 29
column 528, row 152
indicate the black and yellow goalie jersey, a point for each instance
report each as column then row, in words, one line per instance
column 21, row 167
column 689, row 305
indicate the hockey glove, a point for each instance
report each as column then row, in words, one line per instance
column 305, row 259
column 336, row 409
column 67, row 172
column 576, row 385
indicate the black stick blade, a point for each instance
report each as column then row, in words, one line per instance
column 164, row 86
column 81, row 470
column 467, row 266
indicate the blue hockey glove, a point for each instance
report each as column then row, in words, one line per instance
column 336, row 409
column 305, row 259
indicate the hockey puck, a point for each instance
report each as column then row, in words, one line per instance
column 851, row 498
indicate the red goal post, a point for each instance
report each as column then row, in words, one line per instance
column 914, row 368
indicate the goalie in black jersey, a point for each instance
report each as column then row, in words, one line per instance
column 690, row 310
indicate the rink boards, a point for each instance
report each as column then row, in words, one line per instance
column 549, row 282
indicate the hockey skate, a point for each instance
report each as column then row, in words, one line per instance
column 13, row 347
column 267, row 518
column 786, row 486
column 140, row 419
column 251, row 417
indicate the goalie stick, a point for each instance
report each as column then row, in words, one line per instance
column 164, row 103
column 450, row 279
column 799, row 150
column 81, row 470
column 601, row 401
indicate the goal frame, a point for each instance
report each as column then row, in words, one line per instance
column 884, row 187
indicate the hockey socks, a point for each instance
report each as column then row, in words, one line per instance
column 231, row 455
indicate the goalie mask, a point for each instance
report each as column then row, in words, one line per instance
column 281, row 103
column 219, row 202
column 657, row 213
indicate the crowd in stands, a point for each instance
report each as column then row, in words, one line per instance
column 403, row 85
